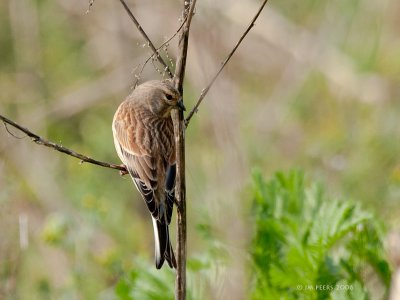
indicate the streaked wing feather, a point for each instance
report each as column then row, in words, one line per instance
column 140, row 164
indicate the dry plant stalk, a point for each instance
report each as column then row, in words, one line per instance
column 179, row 131
column 146, row 37
column 223, row 64
column 41, row 141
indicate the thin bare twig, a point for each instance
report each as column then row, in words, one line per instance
column 158, row 51
column 146, row 37
column 40, row 141
column 12, row 134
column 179, row 132
column 90, row 4
column 205, row 90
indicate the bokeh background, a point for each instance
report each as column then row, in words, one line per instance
column 314, row 86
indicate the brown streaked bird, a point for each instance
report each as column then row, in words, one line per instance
column 144, row 140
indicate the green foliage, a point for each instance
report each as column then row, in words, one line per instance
column 309, row 246
column 305, row 246
column 55, row 229
column 145, row 282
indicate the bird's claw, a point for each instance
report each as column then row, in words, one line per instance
column 123, row 172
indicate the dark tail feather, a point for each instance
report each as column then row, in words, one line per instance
column 169, row 255
column 163, row 247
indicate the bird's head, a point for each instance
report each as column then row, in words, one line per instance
column 160, row 97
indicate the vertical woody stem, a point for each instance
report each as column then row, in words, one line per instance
column 180, row 192
column 179, row 131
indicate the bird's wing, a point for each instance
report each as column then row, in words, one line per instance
column 136, row 157
column 170, row 190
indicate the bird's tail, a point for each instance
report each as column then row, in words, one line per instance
column 163, row 247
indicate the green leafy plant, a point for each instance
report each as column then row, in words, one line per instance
column 309, row 246
column 144, row 282
column 305, row 246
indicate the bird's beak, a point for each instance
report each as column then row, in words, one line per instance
column 180, row 105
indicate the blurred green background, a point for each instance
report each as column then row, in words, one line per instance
column 314, row 86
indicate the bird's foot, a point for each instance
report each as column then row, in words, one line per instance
column 123, row 172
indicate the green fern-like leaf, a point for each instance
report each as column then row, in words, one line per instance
column 305, row 243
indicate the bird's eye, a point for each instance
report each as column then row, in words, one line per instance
column 169, row 97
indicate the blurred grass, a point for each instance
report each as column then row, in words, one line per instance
column 315, row 86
